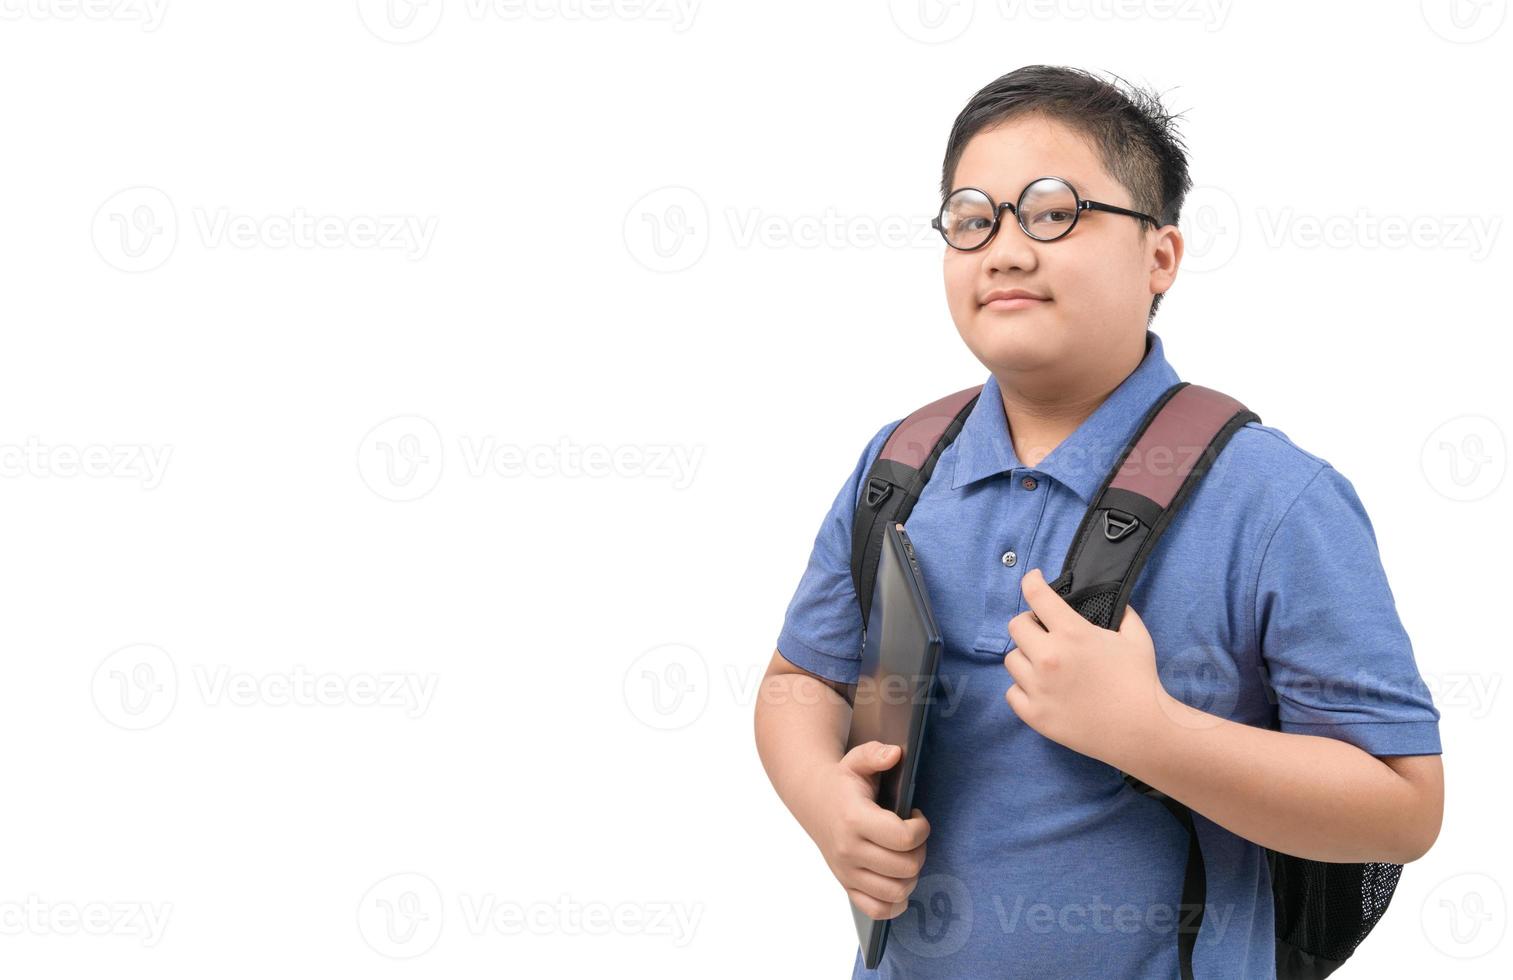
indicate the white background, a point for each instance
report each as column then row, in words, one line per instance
column 257, row 475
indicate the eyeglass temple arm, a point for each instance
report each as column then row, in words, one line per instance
column 1096, row 206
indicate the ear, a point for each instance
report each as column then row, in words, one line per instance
column 1166, row 256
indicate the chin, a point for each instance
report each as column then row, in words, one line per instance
column 1014, row 340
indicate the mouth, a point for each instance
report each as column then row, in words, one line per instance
column 1012, row 299
column 1014, row 303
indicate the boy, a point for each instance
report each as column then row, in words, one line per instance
column 1260, row 675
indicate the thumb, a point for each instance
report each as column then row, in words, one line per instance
column 870, row 757
column 1132, row 623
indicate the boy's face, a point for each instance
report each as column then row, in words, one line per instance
column 1097, row 281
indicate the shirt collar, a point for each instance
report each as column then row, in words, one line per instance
column 1083, row 459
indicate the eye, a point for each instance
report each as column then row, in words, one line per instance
column 1054, row 216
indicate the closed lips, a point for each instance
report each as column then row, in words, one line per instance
column 1008, row 294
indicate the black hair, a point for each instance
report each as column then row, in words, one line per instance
column 1134, row 136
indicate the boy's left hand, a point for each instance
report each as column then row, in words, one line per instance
column 1093, row 690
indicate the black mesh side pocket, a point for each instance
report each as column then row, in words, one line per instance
column 1096, row 604
column 1324, row 910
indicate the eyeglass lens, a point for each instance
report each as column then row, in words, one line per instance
column 1046, row 210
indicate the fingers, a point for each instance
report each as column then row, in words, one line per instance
column 885, row 829
column 880, row 897
column 1018, row 700
column 871, row 757
column 1026, row 631
column 1049, row 608
column 1032, row 642
column 1019, row 667
column 875, row 909
column 889, row 863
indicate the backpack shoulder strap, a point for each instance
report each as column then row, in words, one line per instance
column 1176, row 444
column 896, row 478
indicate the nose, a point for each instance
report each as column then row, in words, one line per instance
column 1010, row 248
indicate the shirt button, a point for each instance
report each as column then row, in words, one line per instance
column 1009, row 558
column 1028, row 483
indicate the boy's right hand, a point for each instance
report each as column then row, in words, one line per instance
column 875, row 855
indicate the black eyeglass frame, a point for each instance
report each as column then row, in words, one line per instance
column 1082, row 205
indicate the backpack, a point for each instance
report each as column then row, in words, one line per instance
column 1323, row 909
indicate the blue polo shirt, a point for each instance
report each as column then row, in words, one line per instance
column 1268, row 605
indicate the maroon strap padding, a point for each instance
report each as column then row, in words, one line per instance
column 915, row 437
column 1174, row 441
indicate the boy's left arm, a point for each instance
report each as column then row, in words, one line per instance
column 1098, row 692
column 1306, row 795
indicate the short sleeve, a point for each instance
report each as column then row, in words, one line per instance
column 822, row 629
column 1337, row 657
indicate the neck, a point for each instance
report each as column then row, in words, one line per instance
column 1044, row 409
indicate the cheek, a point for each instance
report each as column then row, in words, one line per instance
column 1104, row 279
column 961, row 283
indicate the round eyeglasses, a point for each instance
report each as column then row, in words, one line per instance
column 1048, row 209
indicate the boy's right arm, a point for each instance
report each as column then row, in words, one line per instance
column 802, row 722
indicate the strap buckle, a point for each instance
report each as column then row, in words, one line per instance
column 1117, row 525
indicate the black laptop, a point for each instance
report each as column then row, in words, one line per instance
column 901, row 651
